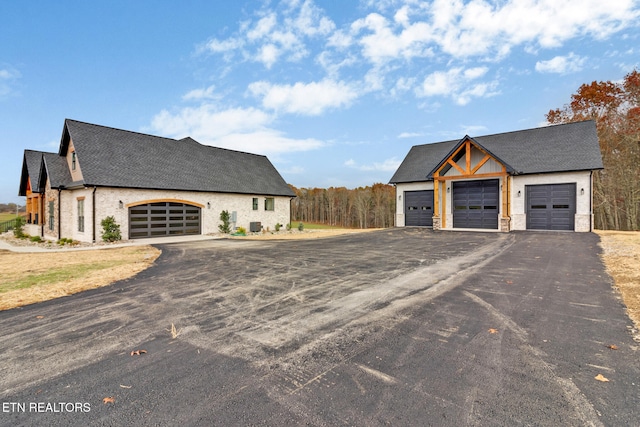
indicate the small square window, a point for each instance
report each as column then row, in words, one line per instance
column 255, row 203
column 73, row 160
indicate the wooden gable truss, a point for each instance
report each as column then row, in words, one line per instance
column 469, row 160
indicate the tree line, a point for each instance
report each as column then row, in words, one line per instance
column 363, row 207
column 615, row 107
column 9, row 207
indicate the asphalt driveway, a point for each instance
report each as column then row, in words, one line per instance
column 397, row 327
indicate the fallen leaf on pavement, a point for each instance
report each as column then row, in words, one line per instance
column 493, row 331
column 601, row 377
column 109, row 400
column 39, row 317
column 125, row 386
column 612, row 347
column 138, row 352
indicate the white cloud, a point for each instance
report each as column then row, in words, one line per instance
column 409, row 135
column 276, row 35
column 388, row 165
column 458, row 84
column 217, row 46
column 381, row 44
column 245, row 129
column 199, row 94
column 263, row 27
column 395, row 41
column 309, row 99
column 7, row 77
column 561, row 64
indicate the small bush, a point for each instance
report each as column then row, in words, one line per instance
column 300, row 227
column 110, row 229
column 63, row 241
column 36, row 239
column 224, row 227
column 289, row 227
column 277, row 227
column 241, row 230
column 18, row 232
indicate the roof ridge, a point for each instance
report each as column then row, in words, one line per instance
column 122, row 130
column 166, row 138
column 39, row 151
column 502, row 133
column 530, row 129
column 221, row 148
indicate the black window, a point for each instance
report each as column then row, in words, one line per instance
column 73, row 160
column 255, row 203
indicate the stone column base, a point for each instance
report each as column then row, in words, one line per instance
column 505, row 224
column 436, row 223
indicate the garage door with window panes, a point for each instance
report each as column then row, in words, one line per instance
column 475, row 204
column 551, row 206
column 418, row 208
column 163, row 219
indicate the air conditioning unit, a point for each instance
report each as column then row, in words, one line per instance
column 255, row 227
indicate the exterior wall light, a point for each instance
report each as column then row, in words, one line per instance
column 582, row 191
column 208, row 205
column 120, row 204
column 519, row 193
column 448, row 190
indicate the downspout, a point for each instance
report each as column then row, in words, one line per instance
column 42, row 200
column 59, row 213
column 592, row 219
column 93, row 215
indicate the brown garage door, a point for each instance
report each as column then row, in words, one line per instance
column 163, row 219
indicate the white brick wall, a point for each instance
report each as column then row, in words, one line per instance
column 108, row 204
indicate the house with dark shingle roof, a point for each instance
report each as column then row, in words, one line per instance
column 535, row 179
column 153, row 186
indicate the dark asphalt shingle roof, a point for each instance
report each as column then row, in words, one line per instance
column 56, row 169
column 31, row 163
column 111, row 157
column 559, row 148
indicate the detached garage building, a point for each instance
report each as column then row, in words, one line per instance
column 536, row 179
column 153, row 186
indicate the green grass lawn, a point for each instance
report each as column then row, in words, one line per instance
column 4, row 216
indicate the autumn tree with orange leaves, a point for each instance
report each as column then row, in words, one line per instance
column 615, row 107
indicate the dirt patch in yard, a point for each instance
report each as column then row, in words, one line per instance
column 621, row 255
column 28, row 278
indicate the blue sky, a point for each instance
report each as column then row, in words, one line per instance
column 334, row 92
